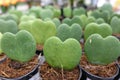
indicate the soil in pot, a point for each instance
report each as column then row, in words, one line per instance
column 98, row 70
column 13, row 69
column 49, row 73
column 117, row 36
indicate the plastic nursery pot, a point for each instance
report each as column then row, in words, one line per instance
column 82, row 75
column 118, row 63
column 3, row 59
column 33, row 75
column 94, row 77
column 38, row 52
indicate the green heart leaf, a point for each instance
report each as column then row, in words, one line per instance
column 101, row 50
column 79, row 11
column 115, row 24
column 64, row 32
column 60, row 54
column 41, row 30
column 47, row 13
column 0, row 43
column 75, row 19
column 20, row 46
column 67, row 11
column 8, row 26
column 103, row 29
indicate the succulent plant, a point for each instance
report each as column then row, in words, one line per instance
column 35, row 10
column 65, row 31
column 26, row 18
column 67, row 11
column 57, row 13
column 99, row 50
column 10, row 17
column 20, row 46
column 106, row 6
column 104, row 14
column 46, row 13
column 16, row 12
column 86, row 20
column 65, row 55
column 115, row 24
column 103, row 29
column 100, row 21
column 0, row 43
column 79, row 11
column 75, row 19
column 8, row 26
column 41, row 30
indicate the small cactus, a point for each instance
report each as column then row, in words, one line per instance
column 16, row 12
column 20, row 46
column 41, row 30
column 64, row 32
column 8, row 26
column 100, row 21
column 103, row 51
column 115, row 24
column 103, row 29
column 65, row 55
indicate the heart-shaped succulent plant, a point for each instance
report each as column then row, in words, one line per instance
column 104, row 14
column 41, row 30
column 101, row 50
column 60, row 54
column 10, row 17
column 65, row 31
column 26, row 18
column 86, row 20
column 115, row 24
column 8, row 26
column 20, row 47
column 0, row 43
column 79, row 11
column 67, row 11
column 35, row 10
column 46, row 13
column 16, row 12
column 103, row 29
column 75, row 19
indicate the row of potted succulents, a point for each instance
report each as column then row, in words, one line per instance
column 59, row 40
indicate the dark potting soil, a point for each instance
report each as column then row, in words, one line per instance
column 12, row 69
column 117, row 36
column 98, row 70
column 49, row 73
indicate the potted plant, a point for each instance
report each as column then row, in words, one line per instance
column 103, row 29
column 62, row 59
column 41, row 30
column 99, row 59
column 22, row 63
column 8, row 26
column 2, row 56
column 115, row 21
column 65, row 31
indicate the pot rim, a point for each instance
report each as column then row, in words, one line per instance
column 89, row 75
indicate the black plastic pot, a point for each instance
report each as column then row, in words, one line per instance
column 28, row 76
column 118, row 77
column 39, row 52
column 94, row 77
column 3, row 59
